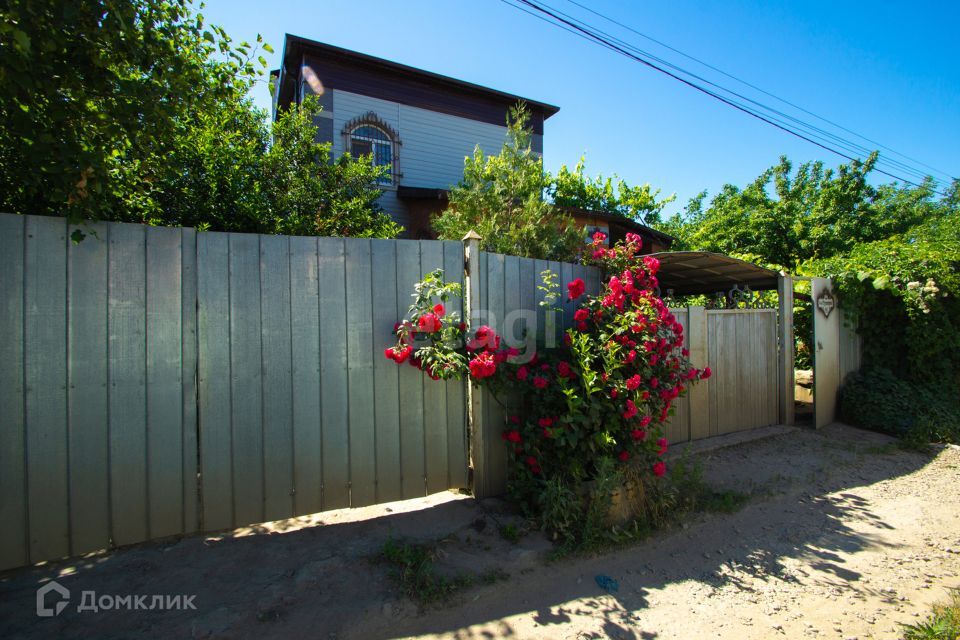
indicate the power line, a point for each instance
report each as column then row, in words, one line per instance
column 593, row 35
column 777, row 115
column 756, row 88
column 811, row 130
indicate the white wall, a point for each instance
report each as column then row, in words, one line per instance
column 433, row 145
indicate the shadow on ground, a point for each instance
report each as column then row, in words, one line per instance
column 323, row 581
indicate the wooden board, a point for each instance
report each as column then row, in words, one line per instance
column 213, row 381
column 334, row 395
column 277, row 362
column 127, row 349
column 87, row 354
column 13, row 473
column 361, row 382
column 164, row 385
column 305, row 383
column 386, row 401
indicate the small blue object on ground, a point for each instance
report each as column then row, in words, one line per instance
column 608, row 583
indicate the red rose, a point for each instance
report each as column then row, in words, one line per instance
column 624, row 456
column 614, row 393
column 483, row 366
column 581, row 315
column 439, row 309
column 637, row 434
column 576, row 288
column 564, row 370
column 635, row 240
column 545, row 422
column 429, row 323
column 659, row 469
column 652, row 264
column 513, row 436
column 631, row 410
column 662, row 443
column 706, row 373
column 599, row 237
column 522, row 373
column 633, row 382
column 654, row 383
column 540, row 382
column 645, row 420
column 631, row 355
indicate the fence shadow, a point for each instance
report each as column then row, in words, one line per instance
column 324, row 580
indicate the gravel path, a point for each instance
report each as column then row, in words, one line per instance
column 844, row 537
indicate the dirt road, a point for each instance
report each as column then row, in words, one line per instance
column 844, row 537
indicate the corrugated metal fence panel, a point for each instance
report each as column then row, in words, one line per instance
column 98, row 446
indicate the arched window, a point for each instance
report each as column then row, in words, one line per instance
column 369, row 135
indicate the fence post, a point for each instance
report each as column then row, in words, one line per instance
column 786, row 355
column 471, row 301
column 699, row 396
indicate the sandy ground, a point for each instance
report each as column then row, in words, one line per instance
column 843, row 538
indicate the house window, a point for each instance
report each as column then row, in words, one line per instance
column 368, row 140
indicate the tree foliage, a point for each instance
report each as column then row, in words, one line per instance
column 137, row 110
column 892, row 250
column 501, row 197
column 574, row 188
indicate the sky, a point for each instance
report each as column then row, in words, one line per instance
column 886, row 70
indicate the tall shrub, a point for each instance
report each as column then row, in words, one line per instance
column 501, row 197
column 596, row 404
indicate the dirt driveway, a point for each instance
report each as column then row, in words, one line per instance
column 844, row 537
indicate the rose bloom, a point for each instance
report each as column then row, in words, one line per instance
column 633, row 382
column 576, row 288
column 564, row 370
column 581, row 315
column 439, row 309
column 631, row 410
column 512, row 436
column 659, row 469
column 662, row 443
column 706, row 373
column 637, row 434
column 545, row 422
column 540, row 382
column 429, row 323
column 483, row 366
column 624, row 456
column 522, row 373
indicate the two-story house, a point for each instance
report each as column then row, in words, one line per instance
column 420, row 125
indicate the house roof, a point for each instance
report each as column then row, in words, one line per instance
column 296, row 48
column 695, row 272
column 623, row 221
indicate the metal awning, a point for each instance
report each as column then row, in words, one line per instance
column 693, row 272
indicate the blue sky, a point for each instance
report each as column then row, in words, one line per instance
column 883, row 69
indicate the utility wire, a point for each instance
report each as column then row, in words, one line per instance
column 590, row 34
column 756, row 88
column 809, row 129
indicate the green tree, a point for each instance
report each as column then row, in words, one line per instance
column 136, row 110
column 309, row 193
column 501, row 197
column 573, row 188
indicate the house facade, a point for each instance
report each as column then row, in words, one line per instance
column 420, row 125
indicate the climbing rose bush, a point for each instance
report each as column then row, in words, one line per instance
column 605, row 394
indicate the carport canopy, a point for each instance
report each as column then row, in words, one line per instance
column 695, row 272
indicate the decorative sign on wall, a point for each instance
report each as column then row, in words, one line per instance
column 826, row 302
